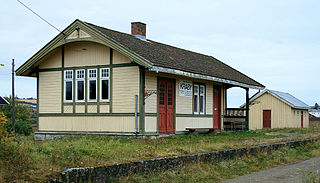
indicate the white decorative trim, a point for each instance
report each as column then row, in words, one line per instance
column 205, row 77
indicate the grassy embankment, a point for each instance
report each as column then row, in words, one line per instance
column 21, row 158
column 217, row 172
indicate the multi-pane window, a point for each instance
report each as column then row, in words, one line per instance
column 199, row 99
column 104, row 84
column 68, row 85
column 80, row 81
column 92, row 85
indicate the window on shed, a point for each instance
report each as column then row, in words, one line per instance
column 68, row 85
column 92, row 85
column 104, row 84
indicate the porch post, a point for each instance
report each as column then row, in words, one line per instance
column 247, row 108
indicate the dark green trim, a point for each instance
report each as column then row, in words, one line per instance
column 81, row 132
column 91, row 66
column 62, row 78
column 195, row 115
column 213, row 93
column 98, row 90
column 111, row 81
column 141, row 98
column 86, row 91
column 151, row 114
column 158, row 104
column 111, row 133
column 51, row 69
column 74, row 92
column 125, row 64
column 68, row 103
column 85, row 114
column 247, row 107
column 175, row 104
column 37, row 101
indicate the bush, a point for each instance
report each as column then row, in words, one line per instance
column 22, row 127
column 3, row 127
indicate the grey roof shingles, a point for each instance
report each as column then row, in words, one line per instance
column 176, row 58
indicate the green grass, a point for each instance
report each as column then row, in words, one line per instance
column 292, row 130
column 216, row 172
column 44, row 158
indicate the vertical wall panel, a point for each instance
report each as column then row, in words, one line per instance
column 118, row 58
column 125, row 87
column 52, row 60
column 151, row 85
column 86, row 54
column 50, row 92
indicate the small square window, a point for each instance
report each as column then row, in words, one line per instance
column 80, row 74
column 68, row 74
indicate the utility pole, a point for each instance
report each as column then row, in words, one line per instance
column 12, row 97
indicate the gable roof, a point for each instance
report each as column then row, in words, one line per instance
column 284, row 97
column 165, row 58
column 3, row 101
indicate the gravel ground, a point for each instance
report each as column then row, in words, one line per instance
column 281, row 174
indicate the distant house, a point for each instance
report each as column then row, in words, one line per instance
column 3, row 101
column 315, row 111
column 88, row 78
column 274, row 109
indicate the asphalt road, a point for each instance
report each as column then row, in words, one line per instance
column 285, row 173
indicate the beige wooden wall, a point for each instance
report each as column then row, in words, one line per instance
column 86, row 54
column 125, row 87
column 50, row 92
column 87, row 123
column 282, row 115
column 52, row 60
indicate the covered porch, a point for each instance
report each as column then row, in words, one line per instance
column 236, row 118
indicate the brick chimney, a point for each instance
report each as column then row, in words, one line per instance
column 138, row 29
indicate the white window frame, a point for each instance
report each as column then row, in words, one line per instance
column 65, row 85
column 199, row 94
column 84, row 83
column 204, row 98
column 196, row 93
column 90, row 78
column 107, row 77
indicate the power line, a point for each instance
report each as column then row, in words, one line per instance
column 39, row 16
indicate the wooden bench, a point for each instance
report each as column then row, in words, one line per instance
column 192, row 130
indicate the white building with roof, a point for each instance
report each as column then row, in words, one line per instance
column 274, row 109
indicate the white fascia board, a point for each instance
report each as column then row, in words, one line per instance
column 200, row 76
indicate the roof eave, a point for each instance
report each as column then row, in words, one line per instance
column 201, row 76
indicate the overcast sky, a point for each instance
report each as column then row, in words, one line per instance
column 275, row 42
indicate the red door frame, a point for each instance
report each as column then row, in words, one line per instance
column 266, row 119
column 217, row 107
column 301, row 119
column 166, row 106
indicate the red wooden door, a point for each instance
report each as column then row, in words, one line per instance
column 217, row 108
column 166, row 107
column 301, row 119
column 266, row 118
